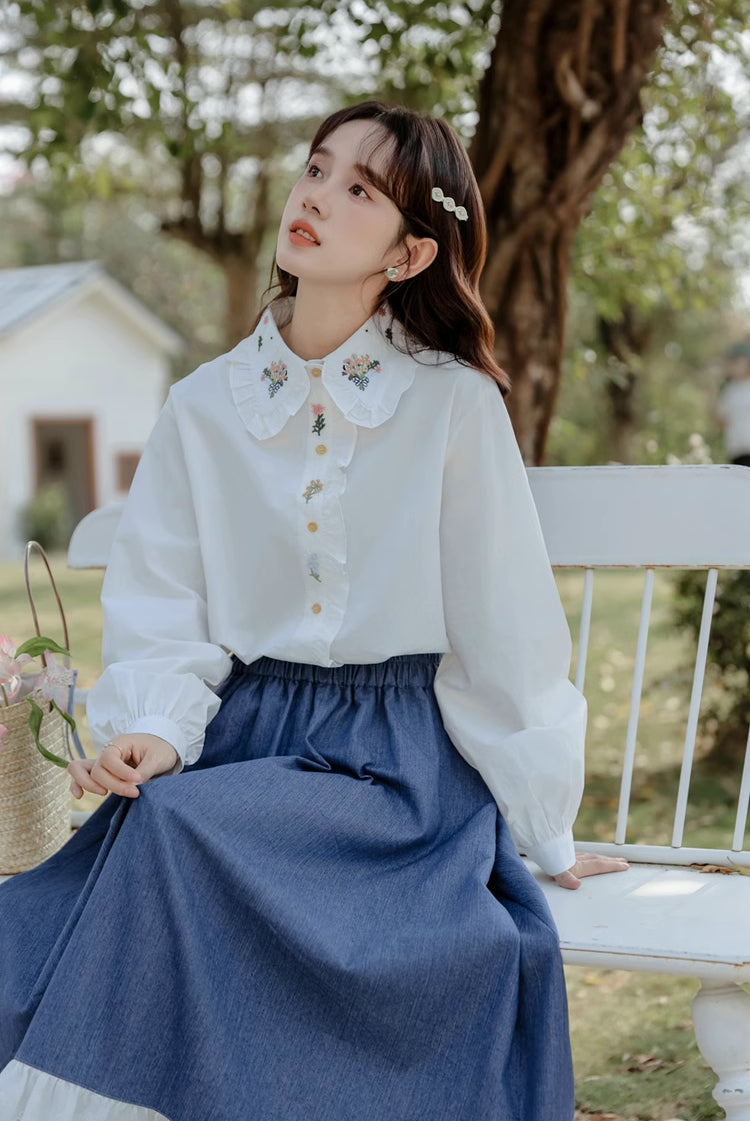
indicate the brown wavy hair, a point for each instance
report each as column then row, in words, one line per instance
column 440, row 308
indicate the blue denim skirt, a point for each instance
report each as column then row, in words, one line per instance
column 323, row 919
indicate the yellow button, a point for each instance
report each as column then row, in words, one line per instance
column 321, row 449
column 315, row 609
column 316, row 371
column 312, row 526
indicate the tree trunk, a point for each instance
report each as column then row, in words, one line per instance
column 241, row 278
column 237, row 254
column 625, row 342
column 558, row 101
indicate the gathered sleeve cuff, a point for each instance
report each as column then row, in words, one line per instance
column 161, row 669
column 503, row 688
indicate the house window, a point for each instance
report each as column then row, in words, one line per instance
column 126, row 463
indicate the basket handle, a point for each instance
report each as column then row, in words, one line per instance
column 30, row 547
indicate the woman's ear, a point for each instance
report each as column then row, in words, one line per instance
column 422, row 252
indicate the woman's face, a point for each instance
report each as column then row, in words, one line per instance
column 337, row 228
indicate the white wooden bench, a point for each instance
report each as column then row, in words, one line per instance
column 662, row 915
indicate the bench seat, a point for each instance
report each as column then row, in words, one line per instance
column 628, row 920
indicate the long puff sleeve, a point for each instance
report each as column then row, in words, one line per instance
column 503, row 689
column 160, row 667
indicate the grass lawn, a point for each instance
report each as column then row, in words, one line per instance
column 633, row 1046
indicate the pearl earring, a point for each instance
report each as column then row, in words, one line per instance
column 391, row 273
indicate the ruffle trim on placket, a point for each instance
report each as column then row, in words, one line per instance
column 318, row 629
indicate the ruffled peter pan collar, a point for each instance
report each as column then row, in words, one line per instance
column 366, row 376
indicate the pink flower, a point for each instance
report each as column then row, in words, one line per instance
column 10, row 668
column 3, row 736
column 317, row 410
column 55, row 681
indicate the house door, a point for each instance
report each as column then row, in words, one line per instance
column 64, row 454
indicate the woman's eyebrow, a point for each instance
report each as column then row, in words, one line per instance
column 371, row 176
column 362, row 169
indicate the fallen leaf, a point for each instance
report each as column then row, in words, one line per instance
column 642, row 1063
column 717, row 869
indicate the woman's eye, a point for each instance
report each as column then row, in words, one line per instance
column 313, row 170
column 357, row 188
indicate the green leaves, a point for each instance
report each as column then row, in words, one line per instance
column 37, row 646
column 36, row 716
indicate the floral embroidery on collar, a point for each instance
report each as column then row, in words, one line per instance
column 357, row 367
column 320, row 421
column 269, row 383
column 276, row 374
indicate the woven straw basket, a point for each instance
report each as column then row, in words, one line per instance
column 34, row 794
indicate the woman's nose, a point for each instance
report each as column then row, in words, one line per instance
column 314, row 201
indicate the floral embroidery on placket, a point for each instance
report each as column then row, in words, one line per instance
column 358, row 367
column 275, row 374
column 314, row 567
column 315, row 486
column 320, row 420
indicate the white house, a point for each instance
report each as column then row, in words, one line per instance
column 84, row 370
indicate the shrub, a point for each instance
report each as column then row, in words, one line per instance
column 47, row 517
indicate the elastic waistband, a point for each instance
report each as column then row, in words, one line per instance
column 401, row 670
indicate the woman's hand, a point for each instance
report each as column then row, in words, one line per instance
column 124, row 762
column 589, row 864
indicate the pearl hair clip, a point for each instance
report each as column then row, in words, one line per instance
column 449, row 204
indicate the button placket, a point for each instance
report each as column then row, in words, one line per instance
column 322, row 529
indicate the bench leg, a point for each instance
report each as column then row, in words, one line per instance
column 721, row 1017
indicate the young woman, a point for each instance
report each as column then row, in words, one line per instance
column 329, row 601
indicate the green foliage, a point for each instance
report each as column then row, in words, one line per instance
column 675, row 392
column 660, row 248
column 36, row 716
column 46, row 518
column 426, row 54
column 221, row 85
column 660, row 232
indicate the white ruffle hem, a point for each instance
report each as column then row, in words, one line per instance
column 27, row 1094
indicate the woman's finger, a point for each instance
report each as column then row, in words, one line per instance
column 112, row 761
column 593, row 864
column 567, row 880
column 113, row 783
column 589, row 864
column 82, row 779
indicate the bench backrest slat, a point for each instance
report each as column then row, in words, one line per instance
column 696, row 693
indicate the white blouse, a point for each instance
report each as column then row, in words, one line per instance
column 346, row 510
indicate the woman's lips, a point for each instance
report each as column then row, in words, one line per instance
column 302, row 233
column 300, row 239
